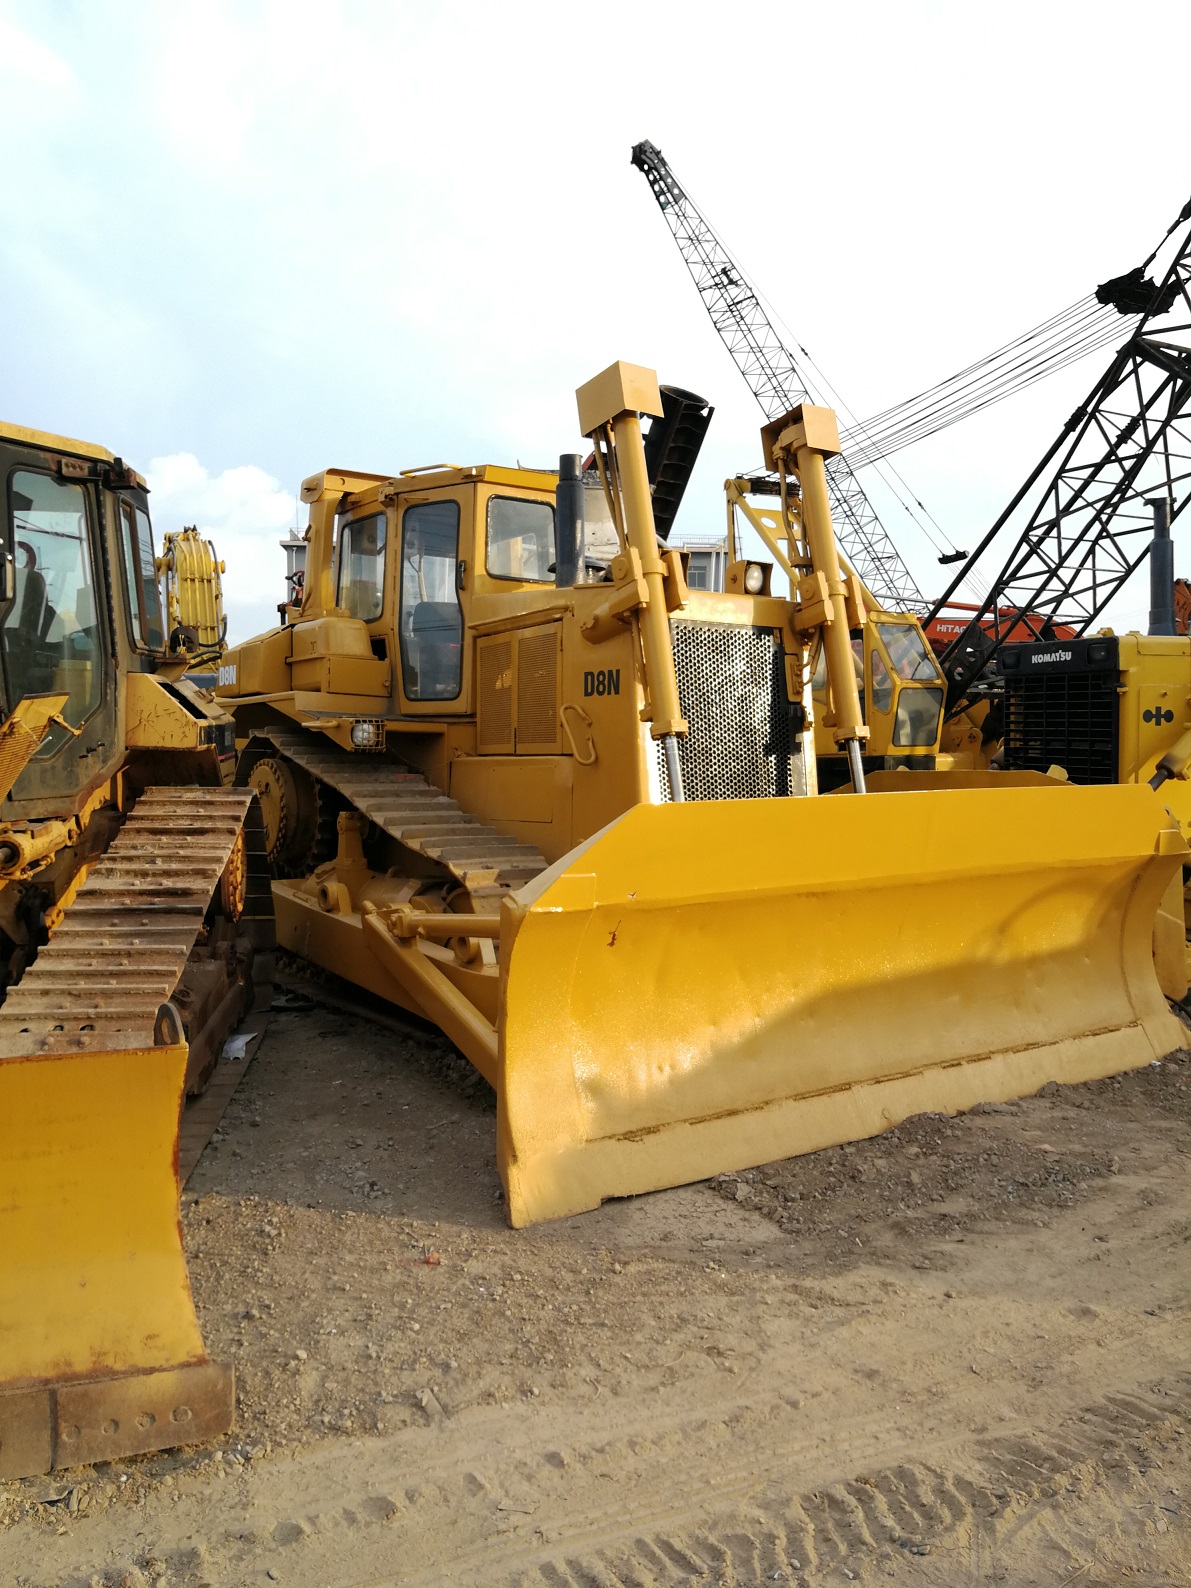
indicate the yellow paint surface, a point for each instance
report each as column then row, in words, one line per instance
column 703, row 987
column 92, row 1273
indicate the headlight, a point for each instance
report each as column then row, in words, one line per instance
column 365, row 735
column 754, row 578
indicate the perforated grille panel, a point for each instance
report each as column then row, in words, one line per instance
column 537, row 689
column 495, row 715
column 731, row 683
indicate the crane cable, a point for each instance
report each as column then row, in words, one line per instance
column 742, row 277
column 1082, row 328
column 843, row 407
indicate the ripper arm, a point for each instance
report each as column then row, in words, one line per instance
column 796, row 446
column 610, row 407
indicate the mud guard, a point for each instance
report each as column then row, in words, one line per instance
column 100, row 1349
column 706, row 987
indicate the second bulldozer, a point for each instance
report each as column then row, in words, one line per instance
column 135, row 930
column 564, row 807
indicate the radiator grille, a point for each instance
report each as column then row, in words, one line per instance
column 1063, row 719
column 731, row 683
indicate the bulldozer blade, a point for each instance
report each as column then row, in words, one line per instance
column 100, row 1350
column 706, row 987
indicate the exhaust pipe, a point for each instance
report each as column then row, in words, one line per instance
column 568, row 520
column 1161, row 569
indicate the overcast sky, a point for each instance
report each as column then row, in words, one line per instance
column 243, row 242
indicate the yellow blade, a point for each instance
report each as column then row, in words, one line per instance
column 709, row 986
column 95, row 1302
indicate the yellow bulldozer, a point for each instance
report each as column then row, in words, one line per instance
column 135, row 930
column 564, row 807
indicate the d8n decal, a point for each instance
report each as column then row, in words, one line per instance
column 606, row 681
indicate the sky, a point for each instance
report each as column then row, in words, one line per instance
column 247, row 241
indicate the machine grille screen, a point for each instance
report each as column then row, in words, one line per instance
column 731, row 683
column 496, row 695
column 537, row 689
column 1065, row 719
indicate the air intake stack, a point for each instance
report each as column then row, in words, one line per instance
column 1161, row 569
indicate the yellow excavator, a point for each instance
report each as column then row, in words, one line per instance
column 190, row 571
column 135, row 930
column 565, row 808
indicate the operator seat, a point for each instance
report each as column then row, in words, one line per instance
column 436, row 629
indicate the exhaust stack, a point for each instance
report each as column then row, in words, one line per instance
column 1161, row 569
column 568, row 520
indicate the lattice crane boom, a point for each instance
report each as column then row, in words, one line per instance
column 773, row 377
column 1083, row 520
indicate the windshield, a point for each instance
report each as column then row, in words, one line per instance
column 50, row 637
column 908, row 652
column 362, row 567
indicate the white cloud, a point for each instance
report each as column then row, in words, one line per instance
column 245, row 512
column 24, row 57
column 318, row 249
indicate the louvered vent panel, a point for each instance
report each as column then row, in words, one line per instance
column 537, row 691
column 495, row 705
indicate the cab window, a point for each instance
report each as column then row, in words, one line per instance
column 917, row 720
column 882, row 684
column 361, row 590
column 907, row 651
column 140, row 576
column 49, row 637
column 520, row 540
column 431, row 618
column 819, row 677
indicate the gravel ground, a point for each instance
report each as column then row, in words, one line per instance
column 956, row 1353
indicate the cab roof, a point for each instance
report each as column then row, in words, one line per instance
column 49, row 442
column 53, row 443
column 371, row 487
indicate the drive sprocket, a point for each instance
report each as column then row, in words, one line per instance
column 300, row 815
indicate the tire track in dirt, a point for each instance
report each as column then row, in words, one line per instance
column 720, row 1402
column 652, row 1497
column 909, row 1509
column 763, row 1525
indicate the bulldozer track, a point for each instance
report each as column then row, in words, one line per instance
column 413, row 811
column 123, row 945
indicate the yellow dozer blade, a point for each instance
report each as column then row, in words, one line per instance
column 100, row 1346
column 167, row 937
column 703, row 987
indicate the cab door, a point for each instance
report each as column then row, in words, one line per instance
column 435, row 539
column 54, row 627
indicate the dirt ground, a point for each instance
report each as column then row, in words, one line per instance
column 954, row 1355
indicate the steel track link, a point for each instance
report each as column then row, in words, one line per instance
column 123, row 945
column 412, row 810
